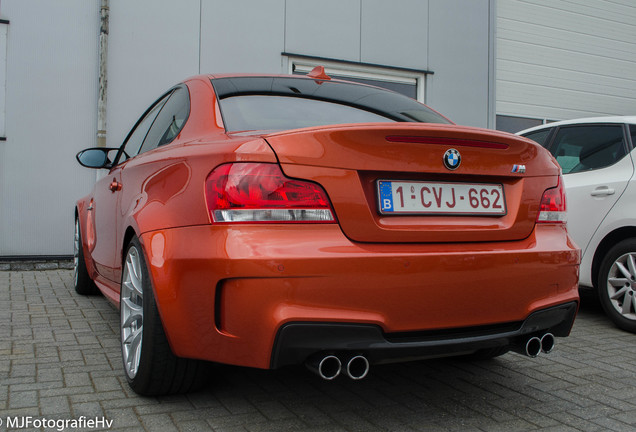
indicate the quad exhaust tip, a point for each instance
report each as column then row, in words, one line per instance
column 537, row 345
column 357, row 367
column 328, row 367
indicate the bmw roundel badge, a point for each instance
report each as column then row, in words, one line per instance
column 452, row 159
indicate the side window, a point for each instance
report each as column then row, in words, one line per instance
column 632, row 132
column 169, row 122
column 583, row 148
column 539, row 136
column 137, row 136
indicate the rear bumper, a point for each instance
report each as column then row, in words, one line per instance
column 234, row 294
column 298, row 341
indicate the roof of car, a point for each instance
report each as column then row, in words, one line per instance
column 611, row 119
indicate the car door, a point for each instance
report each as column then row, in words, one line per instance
column 596, row 173
column 106, row 199
column 171, row 115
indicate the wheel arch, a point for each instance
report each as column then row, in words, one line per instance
column 605, row 245
column 128, row 235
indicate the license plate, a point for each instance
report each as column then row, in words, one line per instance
column 418, row 197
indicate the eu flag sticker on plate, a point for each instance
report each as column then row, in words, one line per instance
column 386, row 196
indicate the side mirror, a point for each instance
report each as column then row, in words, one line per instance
column 96, row 157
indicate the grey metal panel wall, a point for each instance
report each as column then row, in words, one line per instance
column 394, row 33
column 52, row 77
column 330, row 28
column 51, row 104
column 242, row 36
column 561, row 60
column 373, row 31
column 153, row 45
column 459, row 53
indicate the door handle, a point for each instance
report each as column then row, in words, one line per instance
column 114, row 186
column 602, row 191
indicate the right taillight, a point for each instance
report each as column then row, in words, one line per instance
column 553, row 209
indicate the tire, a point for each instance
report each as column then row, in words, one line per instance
column 84, row 285
column 150, row 366
column 617, row 284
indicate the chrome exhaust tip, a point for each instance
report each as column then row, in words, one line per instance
column 531, row 348
column 326, row 367
column 357, row 367
column 547, row 343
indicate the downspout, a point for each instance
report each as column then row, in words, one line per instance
column 103, row 73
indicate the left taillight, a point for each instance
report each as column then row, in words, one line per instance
column 553, row 208
column 260, row 193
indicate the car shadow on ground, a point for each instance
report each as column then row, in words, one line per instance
column 511, row 391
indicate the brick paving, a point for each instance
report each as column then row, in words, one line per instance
column 60, row 359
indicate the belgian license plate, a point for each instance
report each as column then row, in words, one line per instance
column 419, row 197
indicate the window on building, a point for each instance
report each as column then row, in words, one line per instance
column 4, row 30
column 410, row 82
column 515, row 124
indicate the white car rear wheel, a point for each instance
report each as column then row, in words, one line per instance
column 617, row 284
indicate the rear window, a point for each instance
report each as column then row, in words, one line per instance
column 280, row 103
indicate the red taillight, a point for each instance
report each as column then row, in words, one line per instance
column 260, row 192
column 553, row 208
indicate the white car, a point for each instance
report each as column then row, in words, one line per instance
column 597, row 157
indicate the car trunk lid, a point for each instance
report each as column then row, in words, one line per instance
column 499, row 180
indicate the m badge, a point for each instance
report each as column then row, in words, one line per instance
column 519, row 169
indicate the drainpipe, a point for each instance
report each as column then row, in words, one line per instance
column 103, row 73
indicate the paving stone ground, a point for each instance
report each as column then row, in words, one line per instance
column 60, row 360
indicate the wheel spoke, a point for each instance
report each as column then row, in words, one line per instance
column 623, row 269
column 617, row 282
column 620, row 294
column 133, row 339
column 132, row 350
column 627, row 303
column 631, row 265
column 133, row 277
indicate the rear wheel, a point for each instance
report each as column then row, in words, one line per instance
column 83, row 283
column 151, row 367
column 617, row 284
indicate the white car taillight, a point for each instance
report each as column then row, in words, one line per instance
column 553, row 208
column 260, row 193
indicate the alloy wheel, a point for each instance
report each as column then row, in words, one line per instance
column 76, row 246
column 621, row 285
column 132, row 312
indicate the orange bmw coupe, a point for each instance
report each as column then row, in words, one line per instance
column 266, row 221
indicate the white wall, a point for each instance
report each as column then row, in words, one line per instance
column 566, row 59
column 51, row 101
column 52, row 77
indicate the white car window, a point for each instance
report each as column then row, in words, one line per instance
column 584, row 148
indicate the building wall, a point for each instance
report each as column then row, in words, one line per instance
column 559, row 60
column 51, row 100
column 52, row 77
